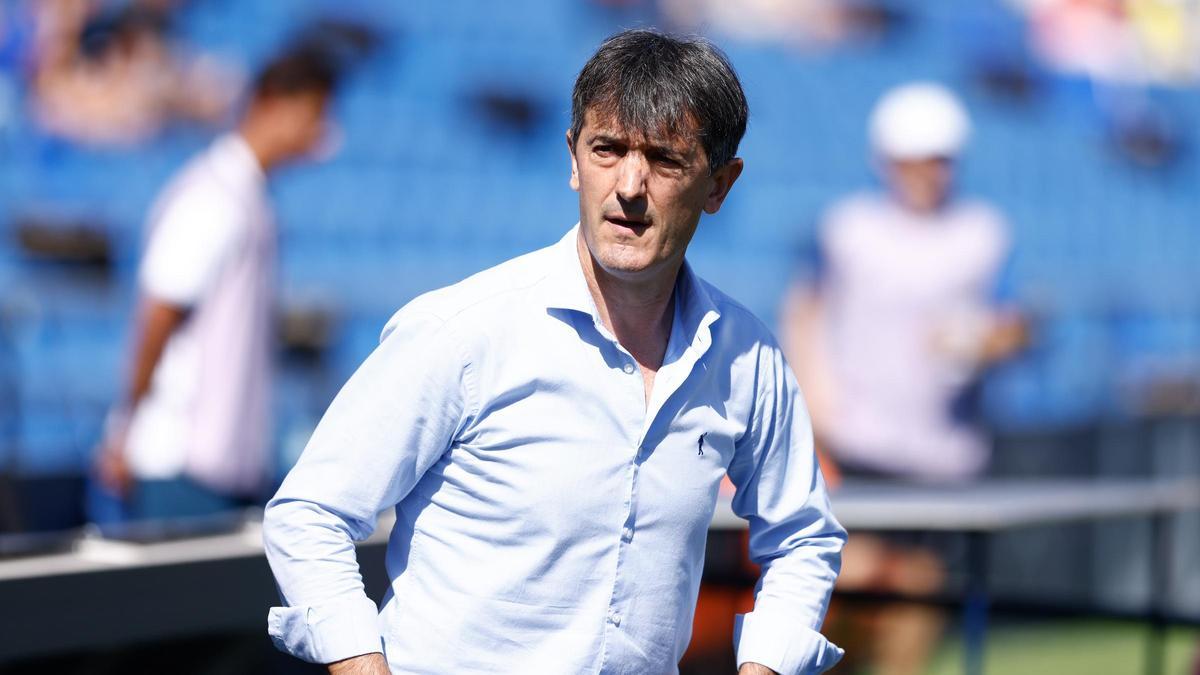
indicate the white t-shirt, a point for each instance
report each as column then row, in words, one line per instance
column 899, row 290
column 211, row 248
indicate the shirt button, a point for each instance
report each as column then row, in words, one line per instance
column 614, row 618
column 628, row 368
column 627, row 533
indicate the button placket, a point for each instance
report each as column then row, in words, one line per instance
column 627, row 366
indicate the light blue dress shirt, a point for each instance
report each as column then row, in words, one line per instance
column 550, row 519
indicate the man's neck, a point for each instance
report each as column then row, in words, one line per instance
column 639, row 312
column 263, row 152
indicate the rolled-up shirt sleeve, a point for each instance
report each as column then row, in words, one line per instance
column 397, row 415
column 794, row 536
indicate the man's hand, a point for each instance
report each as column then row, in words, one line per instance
column 112, row 469
column 111, row 464
column 755, row 669
column 367, row 664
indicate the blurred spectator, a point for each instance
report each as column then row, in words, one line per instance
column 191, row 437
column 1169, row 33
column 1118, row 41
column 896, row 317
column 1120, row 49
column 800, row 23
column 115, row 78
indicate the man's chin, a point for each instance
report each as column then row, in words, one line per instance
column 626, row 265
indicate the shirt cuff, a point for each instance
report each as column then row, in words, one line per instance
column 781, row 645
column 328, row 633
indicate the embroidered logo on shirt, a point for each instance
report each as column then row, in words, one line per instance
column 700, row 445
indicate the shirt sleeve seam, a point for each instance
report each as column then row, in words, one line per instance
column 470, row 378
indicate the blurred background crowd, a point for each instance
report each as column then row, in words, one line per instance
column 976, row 226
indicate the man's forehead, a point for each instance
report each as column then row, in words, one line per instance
column 681, row 138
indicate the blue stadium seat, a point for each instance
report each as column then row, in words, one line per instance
column 425, row 191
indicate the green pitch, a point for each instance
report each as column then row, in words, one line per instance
column 1071, row 647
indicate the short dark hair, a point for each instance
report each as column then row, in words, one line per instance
column 648, row 81
column 297, row 72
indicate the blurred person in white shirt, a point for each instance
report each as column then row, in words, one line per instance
column 106, row 74
column 191, row 434
column 897, row 316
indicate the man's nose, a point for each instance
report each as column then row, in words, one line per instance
column 631, row 182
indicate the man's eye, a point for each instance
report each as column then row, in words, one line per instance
column 604, row 150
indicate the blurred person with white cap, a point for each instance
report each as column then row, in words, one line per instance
column 896, row 315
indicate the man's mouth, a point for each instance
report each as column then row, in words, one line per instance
column 633, row 223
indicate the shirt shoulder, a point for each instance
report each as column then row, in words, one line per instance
column 492, row 291
column 739, row 330
column 984, row 222
column 195, row 227
column 748, row 351
column 854, row 208
column 853, row 220
column 196, row 196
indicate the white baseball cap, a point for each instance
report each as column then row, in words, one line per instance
column 919, row 120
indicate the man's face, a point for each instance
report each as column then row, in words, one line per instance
column 640, row 198
column 922, row 185
column 300, row 122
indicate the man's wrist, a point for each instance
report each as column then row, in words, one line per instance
column 364, row 664
column 750, row 668
column 116, row 422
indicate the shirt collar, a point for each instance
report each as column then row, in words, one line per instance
column 698, row 310
column 564, row 287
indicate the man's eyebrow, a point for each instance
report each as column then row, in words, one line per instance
column 601, row 137
column 665, row 151
column 659, row 149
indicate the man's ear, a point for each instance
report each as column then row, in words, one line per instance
column 574, row 162
column 723, row 180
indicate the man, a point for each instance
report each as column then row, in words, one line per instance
column 901, row 304
column 552, row 432
column 897, row 315
column 192, row 433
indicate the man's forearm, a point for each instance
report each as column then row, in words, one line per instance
column 367, row 664
column 755, row 669
column 159, row 320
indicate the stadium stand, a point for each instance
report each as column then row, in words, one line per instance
column 426, row 189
